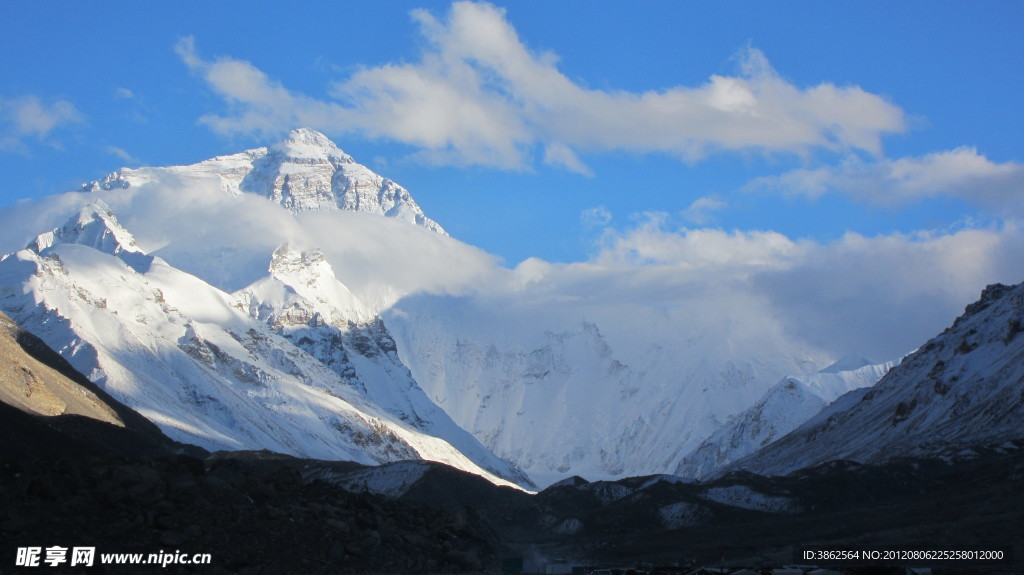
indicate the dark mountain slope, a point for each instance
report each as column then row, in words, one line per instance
column 963, row 388
column 48, row 409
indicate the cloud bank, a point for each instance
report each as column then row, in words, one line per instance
column 880, row 296
column 228, row 241
column 30, row 117
column 479, row 95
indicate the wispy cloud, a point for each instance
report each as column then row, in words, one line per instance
column 256, row 103
column 124, row 155
column 561, row 155
column 132, row 105
column 30, row 117
column 596, row 216
column 701, row 210
column 962, row 173
column 479, row 95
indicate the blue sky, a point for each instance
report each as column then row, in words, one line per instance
column 109, row 87
column 563, row 129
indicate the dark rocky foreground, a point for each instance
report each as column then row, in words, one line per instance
column 261, row 513
column 977, row 503
column 93, row 473
column 974, row 500
column 252, row 514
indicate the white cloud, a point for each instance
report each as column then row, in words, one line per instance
column 257, row 103
column 32, row 117
column 400, row 260
column 560, row 155
column 228, row 240
column 123, row 154
column 697, row 249
column 596, row 216
column 889, row 294
column 880, row 296
column 961, row 173
column 479, row 95
column 28, row 116
column 25, row 219
column 701, row 209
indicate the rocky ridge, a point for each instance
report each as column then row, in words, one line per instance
column 304, row 172
column 962, row 388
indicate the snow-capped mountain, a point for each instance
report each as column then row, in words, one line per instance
column 304, row 172
column 962, row 389
column 783, row 408
column 570, row 401
column 288, row 298
column 294, row 364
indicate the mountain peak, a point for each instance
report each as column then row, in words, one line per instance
column 95, row 226
column 309, row 136
column 989, row 295
column 308, row 274
column 289, row 263
column 848, row 362
column 309, row 144
column 960, row 389
column 303, row 172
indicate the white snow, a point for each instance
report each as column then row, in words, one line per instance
column 560, row 397
column 392, row 480
column 683, row 514
column 376, row 346
column 783, row 408
column 749, row 498
column 304, row 172
column 195, row 361
column 962, row 388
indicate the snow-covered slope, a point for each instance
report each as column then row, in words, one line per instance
column 964, row 387
column 571, row 400
column 294, row 364
column 783, row 408
column 304, row 172
column 288, row 298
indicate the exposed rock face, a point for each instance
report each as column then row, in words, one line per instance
column 35, row 387
column 963, row 388
column 783, row 408
column 304, row 172
column 49, row 409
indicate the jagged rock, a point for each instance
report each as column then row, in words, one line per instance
column 963, row 387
